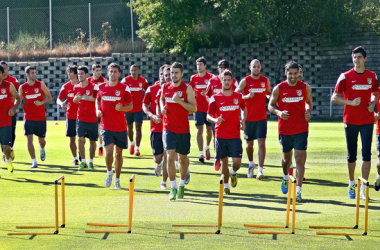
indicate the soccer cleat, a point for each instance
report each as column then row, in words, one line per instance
column 187, row 179
column 298, row 196
column 217, row 165
column 226, row 191
column 137, row 153
column 34, row 165
column 116, row 184
column 234, row 180
column 3, row 158
column 250, row 172
column 157, row 170
column 75, row 162
column 260, row 175
column 90, row 166
column 208, row 157
column 351, row 192
column 362, row 195
column 10, row 167
column 82, row 166
column 284, row 186
column 173, row 194
column 108, row 180
column 12, row 155
column 163, row 186
column 42, row 154
column 181, row 192
column 132, row 150
column 176, row 167
column 202, row 158
column 376, row 184
column 100, row 151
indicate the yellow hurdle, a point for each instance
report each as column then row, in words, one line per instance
column 220, row 214
column 131, row 195
column 62, row 179
column 356, row 226
column 292, row 184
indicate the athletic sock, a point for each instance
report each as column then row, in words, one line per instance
column 176, row 163
column 351, row 183
column 34, row 160
column 91, row 160
column 251, row 163
column 100, row 145
column 291, row 166
column 116, row 179
column 163, row 182
column 201, row 153
column 11, row 148
column 285, row 177
column 298, row 189
column 137, row 148
column 377, row 175
column 260, row 169
column 207, row 147
column 181, row 183
column 7, row 160
column 362, row 186
column 232, row 171
column 84, row 160
column 109, row 172
column 173, row 184
column 132, row 143
column 226, row 185
column 75, row 158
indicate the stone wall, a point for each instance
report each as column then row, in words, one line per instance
column 322, row 63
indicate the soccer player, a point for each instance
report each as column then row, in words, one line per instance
column 113, row 99
column 36, row 95
column 360, row 89
column 87, row 124
column 67, row 91
column 137, row 84
column 14, row 81
column 294, row 102
column 177, row 100
column 199, row 83
column 255, row 89
column 97, row 78
column 376, row 184
column 225, row 107
column 152, row 98
column 9, row 102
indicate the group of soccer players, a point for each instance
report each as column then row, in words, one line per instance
column 221, row 103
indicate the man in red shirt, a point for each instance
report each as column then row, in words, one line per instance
column 224, row 110
column 14, row 81
column 255, row 89
column 113, row 99
column 67, row 91
column 97, row 78
column 9, row 102
column 199, row 83
column 376, row 184
column 36, row 95
column 137, row 85
column 87, row 124
column 360, row 89
column 177, row 100
column 294, row 102
column 151, row 99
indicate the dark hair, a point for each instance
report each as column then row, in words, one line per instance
column 226, row 73
column 84, row 68
column 4, row 63
column 29, row 68
column 72, row 68
column 134, row 66
column 291, row 65
column 162, row 68
column 114, row 65
column 361, row 50
column 201, row 59
column 224, row 63
column 177, row 65
column 94, row 66
column 1, row 69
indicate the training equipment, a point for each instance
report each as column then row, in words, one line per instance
column 62, row 179
column 360, row 179
column 220, row 213
column 291, row 183
column 131, row 195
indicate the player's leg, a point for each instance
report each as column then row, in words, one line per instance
column 138, row 117
column 250, row 136
column 366, row 132
column 130, row 120
column 92, row 133
column 286, row 142
column 376, row 184
column 118, row 166
column 300, row 157
column 71, row 133
column 109, row 147
column 235, row 150
column 81, row 132
column 208, row 140
column 183, row 149
column 184, row 161
column 352, row 133
column 41, row 133
column 226, row 172
column 14, row 123
column 170, row 145
column 29, row 132
column 200, row 143
column 100, row 143
column 6, row 141
column 158, row 151
column 261, row 134
column 164, row 173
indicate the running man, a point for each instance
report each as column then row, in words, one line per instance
column 137, row 84
column 113, row 100
column 376, row 184
column 255, row 89
column 87, row 124
column 67, row 91
column 360, row 89
column 225, row 107
column 151, row 99
column 9, row 102
column 97, row 78
column 199, row 83
column 36, row 95
column 14, row 81
column 177, row 100
column 294, row 101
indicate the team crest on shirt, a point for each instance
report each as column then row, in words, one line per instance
column 263, row 84
column 179, row 93
column 117, row 92
column 299, row 92
column 236, row 101
column 369, row 80
column 206, row 82
column 88, row 92
column 140, row 84
column 3, row 91
column 36, row 91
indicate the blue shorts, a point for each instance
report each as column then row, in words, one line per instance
column 352, row 132
column 71, row 125
column 37, row 128
column 88, row 129
column 228, row 148
column 201, row 118
column 119, row 139
column 179, row 142
column 297, row 141
column 156, row 143
column 14, row 122
column 255, row 130
column 378, row 145
column 6, row 135
column 134, row 117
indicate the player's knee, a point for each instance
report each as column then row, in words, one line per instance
column 351, row 158
column 366, row 156
column 236, row 165
column 158, row 159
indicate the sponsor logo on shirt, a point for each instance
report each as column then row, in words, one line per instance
column 201, row 86
column 258, row 90
column 229, row 108
column 111, row 98
column 71, row 95
column 3, row 97
column 3, row 91
column 136, row 89
column 32, row 96
column 216, row 91
column 117, row 92
column 292, row 99
column 170, row 100
column 361, row 87
column 36, row 91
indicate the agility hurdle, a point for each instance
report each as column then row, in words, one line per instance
column 220, row 213
column 360, row 179
column 292, row 183
column 131, row 194
column 62, row 179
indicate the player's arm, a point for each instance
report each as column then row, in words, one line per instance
column 61, row 97
column 212, row 111
column 272, row 105
column 337, row 97
column 47, row 94
column 243, row 118
column 17, row 98
column 98, row 105
column 374, row 99
column 309, row 103
column 268, row 91
column 128, row 100
column 162, row 109
column 20, row 93
column 190, row 104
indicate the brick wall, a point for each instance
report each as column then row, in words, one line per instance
column 322, row 63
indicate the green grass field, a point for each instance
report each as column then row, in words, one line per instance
column 27, row 198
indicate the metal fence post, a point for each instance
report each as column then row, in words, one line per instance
column 89, row 25
column 51, row 29
column 133, row 41
column 9, row 52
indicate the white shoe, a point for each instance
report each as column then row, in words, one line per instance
column 108, row 180
column 157, row 170
column 116, row 184
column 250, row 171
column 362, row 195
column 260, row 175
column 163, row 186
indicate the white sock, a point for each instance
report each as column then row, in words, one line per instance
column 7, row 160
column 377, row 175
column 207, row 147
column 41, row 148
column 285, row 177
column 351, row 183
column 362, row 186
column 163, row 182
column 11, row 148
column 291, row 165
column 109, row 172
column 137, row 147
column 260, row 169
column 173, row 184
column 251, row 163
column 181, row 183
column 298, row 189
column 226, row 185
column 201, row 153
column 132, row 143
column 232, row 171
column 84, row 160
column 34, row 160
column 116, row 179
column 75, row 158
column 176, row 162
column 100, row 145
column 91, row 160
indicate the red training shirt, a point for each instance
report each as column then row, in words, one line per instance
column 256, row 110
column 101, row 79
column 199, row 84
column 215, row 86
column 67, row 91
column 137, row 87
column 86, row 109
column 152, row 97
column 31, row 94
column 5, row 104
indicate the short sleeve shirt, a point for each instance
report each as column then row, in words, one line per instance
column 86, row 109
column 137, row 87
column 199, row 85
column 67, row 91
